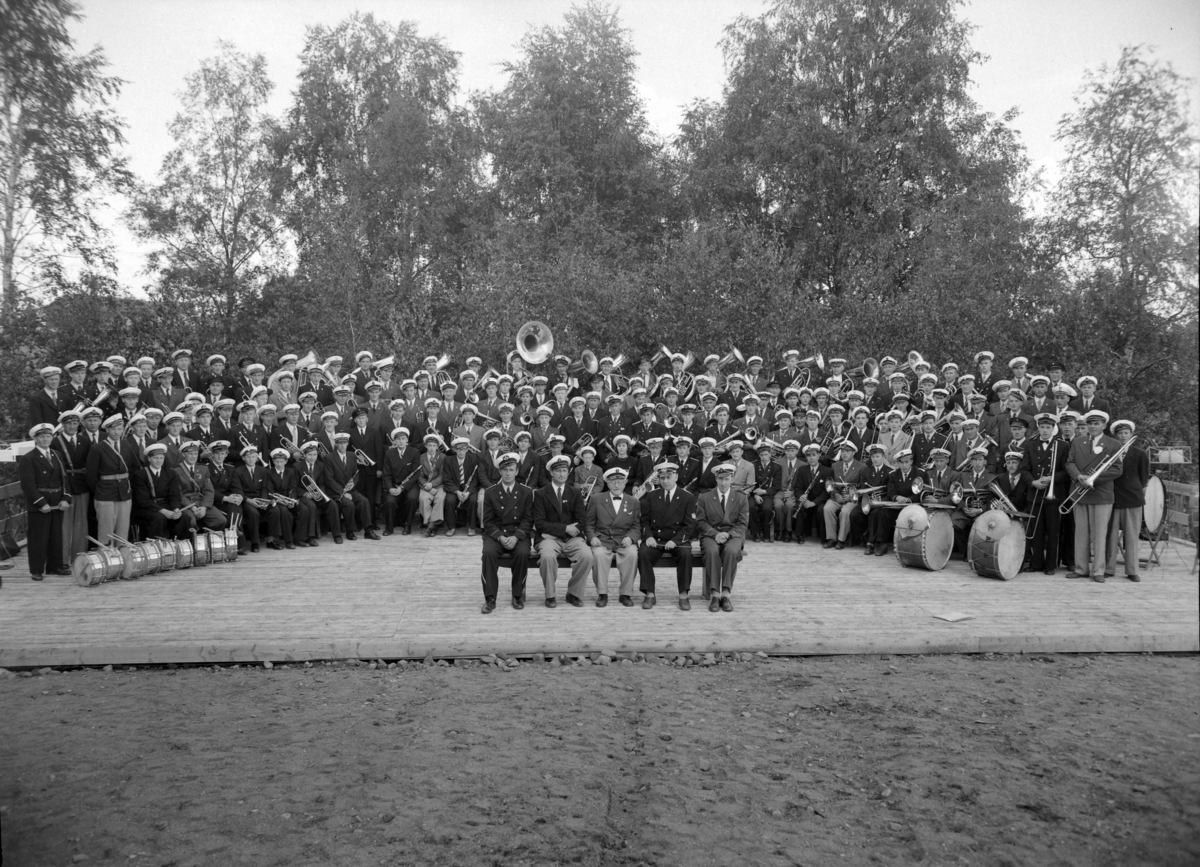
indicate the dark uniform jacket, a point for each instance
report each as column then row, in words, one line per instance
column 43, row 480
column 551, row 515
column 74, row 458
column 508, row 514
column 105, row 460
column 675, row 523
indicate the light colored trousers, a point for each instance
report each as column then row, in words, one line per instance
column 1091, row 535
column 549, row 549
column 626, row 568
column 112, row 517
column 837, row 520
column 1126, row 523
column 433, row 505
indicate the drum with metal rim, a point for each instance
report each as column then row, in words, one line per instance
column 996, row 546
column 202, row 551
column 166, row 554
column 216, row 547
column 95, row 567
column 134, row 563
column 924, row 537
column 231, row 544
column 183, row 553
column 1153, row 511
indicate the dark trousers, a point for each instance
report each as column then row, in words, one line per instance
column 762, row 516
column 491, row 567
column 404, row 509
column 158, row 526
column 44, row 531
column 356, row 512
column 251, row 518
column 306, row 520
column 648, row 558
column 808, row 520
column 460, row 513
column 1066, row 539
column 1043, row 548
column 873, row 526
column 720, row 562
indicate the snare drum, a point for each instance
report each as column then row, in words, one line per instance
column 996, row 547
column 1152, row 512
column 202, row 552
column 216, row 548
column 166, row 552
column 183, row 553
column 134, row 561
column 153, row 556
column 95, row 567
column 231, row 544
column 923, row 538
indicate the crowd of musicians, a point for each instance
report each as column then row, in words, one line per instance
column 599, row 466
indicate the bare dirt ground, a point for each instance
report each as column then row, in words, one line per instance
column 1006, row 760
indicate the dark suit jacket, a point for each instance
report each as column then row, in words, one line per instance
column 43, row 409
column 769, row 478
column 465, row 481
column 674, row 524
column 711, row 519
column 1019, row 493
column 529, row 470
column 74, row 458
column 900, row 485
column 37, row 472
column 806, row 480
column 103, row 460
column 398, row 467
column 150, row 495
column 251, row 484
column 508, row 514
column 339, row 470
column 552, row 515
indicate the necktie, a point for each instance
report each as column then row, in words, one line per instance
column 722, row 502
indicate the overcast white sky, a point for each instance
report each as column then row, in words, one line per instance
column 1038, row 51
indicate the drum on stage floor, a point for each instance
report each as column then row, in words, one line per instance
column 1153, row 511
column 95, row 567
column 216, row 547
column 924, row 538
column 183, row 553
column 996, row 546
column 202, row 555
column 231, row 544
column 166, row 554
column 135, row 563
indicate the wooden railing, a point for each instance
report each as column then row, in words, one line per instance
column 12, row 510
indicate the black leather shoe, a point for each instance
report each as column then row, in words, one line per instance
column 840, row 545
column 313, row 543
column 350, row 537
column 685, row 604
column 880, row 550
column 489, row 605
column 647, row 603
column 1049, row 571
column 33, row 577
column 289, row 545
column 627, row 601
column 602, row 601
column 574, row 600
column 301, row 544
column 388, row 531
column 430, row 533
column 799, row 540
column 274, row 546
column 254, row 549
column 1134, row 578
column 337, row 540
column 870, row 550
column 406, row 531
column 372, row 535
column 551, row 602
column 66, row 570
column 828, row 543
column 518, row 603
column 714, row 604
column 726, row 603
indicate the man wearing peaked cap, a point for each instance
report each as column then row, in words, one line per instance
column 1129, row 500
column 185, row 376
column 613, row 529
column 157, row 499
column 847, row 473
column 1085, row 455
column 43, row 478
column 1088, row 399
column 197, row 493
column 559, row 515
column 43, row 406
column 722, row 518
column 460, row 474
column 507, row 531
column 668, row 523
column 74, row 390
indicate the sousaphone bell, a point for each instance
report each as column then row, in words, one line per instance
column 535, row 342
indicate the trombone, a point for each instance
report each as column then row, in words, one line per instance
column 1049, row 496
column 1085, row 483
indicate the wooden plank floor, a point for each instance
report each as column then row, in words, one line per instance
column 408, row 596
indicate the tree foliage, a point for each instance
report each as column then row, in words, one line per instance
column 211, row 218
column 59, row 149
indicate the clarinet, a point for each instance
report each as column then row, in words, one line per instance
column 807, row 491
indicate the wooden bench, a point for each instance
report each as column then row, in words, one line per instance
column 565, row 562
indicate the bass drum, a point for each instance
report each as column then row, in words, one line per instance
column 95, row 567
column 1155, row 508
column 923, row 538
column 996, row 546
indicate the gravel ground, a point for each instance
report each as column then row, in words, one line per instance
column 1005, row 760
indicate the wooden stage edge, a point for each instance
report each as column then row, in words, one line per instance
column 414, row 597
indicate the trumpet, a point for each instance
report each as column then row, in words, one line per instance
column 1085, row 483
column 363, row 459
column 286, row 502
column 486, row 421
column 924, row 490
column 313, row 489
column 259, row 502
column 290, row 444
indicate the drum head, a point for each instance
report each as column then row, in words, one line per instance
column 912, row 520
column 992, row 525
column 1156, row 499
column 1010, row 551
column 939, row 540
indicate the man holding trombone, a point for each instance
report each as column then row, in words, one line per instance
column 1093, row 461
column 1045, row 459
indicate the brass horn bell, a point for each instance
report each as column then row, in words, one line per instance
column 535, row 342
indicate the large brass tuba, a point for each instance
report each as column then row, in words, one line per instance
column 534, row 342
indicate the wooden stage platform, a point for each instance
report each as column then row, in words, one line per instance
column 406, row 597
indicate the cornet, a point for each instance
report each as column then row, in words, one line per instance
column 363, row 459
column 286, row 502
column 290, row 444
column 313, row 489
